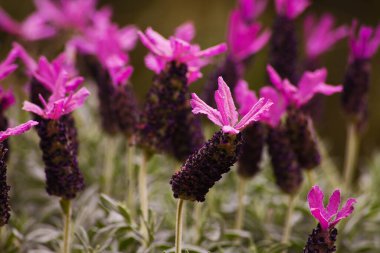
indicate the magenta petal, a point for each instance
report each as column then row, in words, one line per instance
column 30, row 107
column 200, row 106
column 225, row 103
column 315, row 198
column 333, row 205
column 256, row 113
column 317, row 213
column 347, row 209
column 245, row 97
column 17, row 130
column 152, row 63
column 185, row 32
column 278, row 108
column 212, row 51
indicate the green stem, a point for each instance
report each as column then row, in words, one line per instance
column 67, row 212
column 352, row 147
column 110, row 153
column 310, row 174
column 239, row 219
column 198, row 222
column 143, row 193
column 178, row 227
column 130, row 172
column 288, row 222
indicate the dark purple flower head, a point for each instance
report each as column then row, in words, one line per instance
column 176, row 49
column 226, row 115
column 330, row 216
column 310, row 84
column 245, row 39
column 291, row 8
column 320, row 35
column 34, row 27
column 365, row 43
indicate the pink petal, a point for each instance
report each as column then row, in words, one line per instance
column 245, row 97
column 200, row 106
column 315, row 198
column 8, row 24
column 344, row 212
column 29, row 62
column 256, row 113
column 252, row 9
column 7, row 99
column 127, row 37
column 152, row 63
column 185, row 32
column 225, row 103
column 77, row 100
column 212, row 51
column 30, row 107
column 317, row 213
column 278, row 108
column 20, row 129
column 333, row 205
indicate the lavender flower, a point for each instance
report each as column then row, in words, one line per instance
column 298, row 124
column 283, row 43
column 167, row 123
column 287, row 172
column 357, row 80
column 4, row 187
column 108, row 45
column 254, row 136
column 207, row 165
column 57, row 132
column 323, row 238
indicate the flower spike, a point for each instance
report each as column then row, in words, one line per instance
column 178, row 50
column 226, row 115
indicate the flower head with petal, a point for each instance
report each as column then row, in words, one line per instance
column 109, row 44
column 20, row 129
column 63, row 99
column 34, row 27
column 291, row 8
column 176, row 49
column 226, row 115
column 365, row 44
column 310, row 84
column 330, row 216
column 245, row 39
column 320, row 35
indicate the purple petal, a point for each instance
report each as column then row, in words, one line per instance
column 200, row 106
column 127, row 37
column 20, row 129
column 317, row 213
column 333, row 205
column 278, row 108
column 30, row 107
column 185, row 32
column 256, row 113
column 347, row 209
column 225, row 103
column 153, row 63
column 245, row 97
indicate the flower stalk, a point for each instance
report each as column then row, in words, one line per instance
column 352, row 149
column 178, row 226
column 143, row 192
column 288, row 222
column 130, row 172
column 67, row 212
column 241, row 207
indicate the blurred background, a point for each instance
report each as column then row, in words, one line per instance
column 210, row 18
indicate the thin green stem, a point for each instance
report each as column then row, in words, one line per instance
column 352, row 147
column 143, row 193
column 110, row 153
column 178, row 226
column 197, row 216
column 288, row 221
column 239, row 219
column 131, row 176
column 67, row 212
column 310, row 174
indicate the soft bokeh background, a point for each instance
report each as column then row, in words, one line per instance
column 210, row 18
